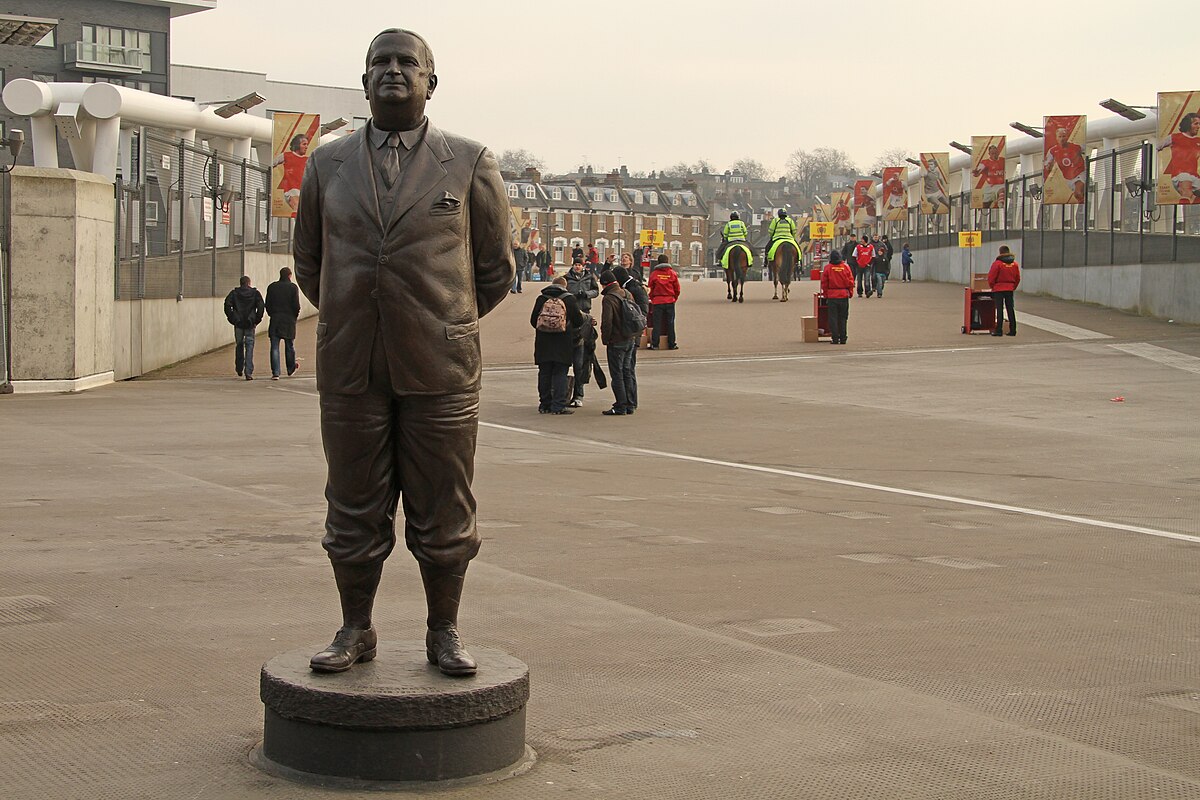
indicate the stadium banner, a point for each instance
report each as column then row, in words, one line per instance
column 293, row 138
column 1064, row 161
column 987, row 171
column 1178, row 148
column 864, row 205
column 893, row 197
column 841, row 214
column 935, row 184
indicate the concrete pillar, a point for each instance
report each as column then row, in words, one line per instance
column 105, row 147
column 62, row 280
column 45, row 141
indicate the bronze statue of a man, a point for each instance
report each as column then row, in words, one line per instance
column 402, row 242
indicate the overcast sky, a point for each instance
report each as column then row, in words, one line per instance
column 652, row 84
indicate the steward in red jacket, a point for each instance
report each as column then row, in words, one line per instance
column 1003, row 278
column 664, row 291
column 837, row 284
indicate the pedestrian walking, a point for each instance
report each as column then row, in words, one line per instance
column 906, row 262
column 244, row 309
column 283, row 307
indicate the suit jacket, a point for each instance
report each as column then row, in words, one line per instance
column 421, row 279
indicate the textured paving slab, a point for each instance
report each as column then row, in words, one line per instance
column 908, row 570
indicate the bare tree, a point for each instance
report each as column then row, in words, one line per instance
column 811, row 172
column 685, row 170
column 892, row 157
column 752, row 168
column 518, row 160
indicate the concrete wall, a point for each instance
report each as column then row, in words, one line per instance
column 1166, row 291
column 150, row 334
column 62, row 279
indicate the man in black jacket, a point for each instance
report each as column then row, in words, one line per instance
column 283, row 306
column 554, row 350
column 640, row 296
column 244, row 309
column 582, row 283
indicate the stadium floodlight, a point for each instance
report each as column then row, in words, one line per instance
column 1128, row 112
column 235, row 107
column 1135, row 186
column 14, row 142
column 913, row 161
column 333, row 125
column 961, row 147
column 1028, row 130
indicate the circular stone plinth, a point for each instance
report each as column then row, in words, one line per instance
column 393, row 719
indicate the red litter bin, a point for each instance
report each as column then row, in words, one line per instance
column 821, row 312
column 814, row 274
column 979, row 311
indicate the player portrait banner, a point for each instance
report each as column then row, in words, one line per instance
column 935, row 183
column 893, row 196
column 864, row 204
column 1178, row 148
column 987, row 171
column 1064, row 161
column 293, row 137
column 841, row 213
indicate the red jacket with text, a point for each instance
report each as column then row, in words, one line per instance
column 664, row 285
column 1005, row 274
column 837, row 280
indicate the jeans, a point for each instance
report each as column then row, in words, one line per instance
column 620, row 374
column 552, row 386
column 839, row 312
column 664, row 324
column 243, row 351
column 880, row 280
column 863, row 277
column 289, row 354
column 1005, row 300
column 516, row 287
column 907, row 272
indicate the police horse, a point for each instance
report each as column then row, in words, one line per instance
column 736, row 260
column 782, row 259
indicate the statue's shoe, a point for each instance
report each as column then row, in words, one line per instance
column 445, row 649
column 349, row 646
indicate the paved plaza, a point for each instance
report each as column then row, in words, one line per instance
column 923, row 565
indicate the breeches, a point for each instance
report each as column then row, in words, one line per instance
column 381, row 447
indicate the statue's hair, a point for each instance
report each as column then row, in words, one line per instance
column 414, row 34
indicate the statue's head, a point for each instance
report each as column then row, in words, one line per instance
column 400, row 75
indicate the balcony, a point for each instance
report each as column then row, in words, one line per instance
column 91, row 57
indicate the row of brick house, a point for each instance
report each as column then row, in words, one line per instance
column 608, row 211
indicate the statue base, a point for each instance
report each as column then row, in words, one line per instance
column 393, row 721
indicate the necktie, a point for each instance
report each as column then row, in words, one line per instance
column 391, row 159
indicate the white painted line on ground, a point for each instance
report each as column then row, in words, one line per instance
column 808, row 476
column 1161, row 355
column 1059, row 328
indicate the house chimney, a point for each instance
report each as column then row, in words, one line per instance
column 614, row 179
column 532, row 174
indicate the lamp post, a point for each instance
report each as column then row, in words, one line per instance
column 1131, row 113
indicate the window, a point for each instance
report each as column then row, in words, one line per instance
column 652, row 198
column 611, row 195
column 47, row 40
column 639, row 223
column 637, row 197
column 594, row 194
column 602, row 249
column 531, row 192
column 691, row 200
column 660, row 223
column 103, row 44
column 674, row 226
column 676, row 249
column 695, row 227
column 572, row 194
column 575, row 226
column 359, row 123
column 560, row 220
column 44, row 77
column 556, row 192
column 676, row 200
column 697, row 253
column 512, row 190
column 533, row 220
column 601, row 222
column 560, row 246
column 616, row 226
column 618, row 247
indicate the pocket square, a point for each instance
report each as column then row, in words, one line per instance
column 446, row 203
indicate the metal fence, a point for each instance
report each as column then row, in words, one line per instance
column 5, row 282
column 1118, row 222
column 187, row 219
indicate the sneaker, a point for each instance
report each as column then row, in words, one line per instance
column 612, row 412
column 274, row 377
column 576, row 403
column 651, row 347
column 673, row 347
column 563, row 411
column 249, row 377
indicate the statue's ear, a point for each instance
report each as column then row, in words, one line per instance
column 433, row 82
column 366, row 91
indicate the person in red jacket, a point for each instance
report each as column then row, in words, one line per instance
column 864, row 254
column 837, row 284
column 664, row 291
column 1003, row 278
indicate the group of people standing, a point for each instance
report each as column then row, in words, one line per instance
column 566, row 333
column 871, row 262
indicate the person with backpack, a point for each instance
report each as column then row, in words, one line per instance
column 621, row 324
column 244, row 308
column 637, row 289
column 555, row 319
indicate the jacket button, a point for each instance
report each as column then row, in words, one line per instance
column 375, row 293
column 383, row 259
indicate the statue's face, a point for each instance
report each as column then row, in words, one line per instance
column 398, row 72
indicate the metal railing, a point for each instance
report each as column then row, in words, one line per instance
column 1118, row 222
column 5, row 279
column 186, row 222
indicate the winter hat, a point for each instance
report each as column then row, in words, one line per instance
column 607, row 277
column 621, row 274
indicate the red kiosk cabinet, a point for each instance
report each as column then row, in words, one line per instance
column 821, row 312
column 979, row 311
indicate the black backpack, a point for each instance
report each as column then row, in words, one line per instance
column 633, row 319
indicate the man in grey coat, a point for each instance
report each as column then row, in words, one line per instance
column 402, row 243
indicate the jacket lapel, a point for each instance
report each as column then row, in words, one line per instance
column 423, row 172
column 359, row 177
